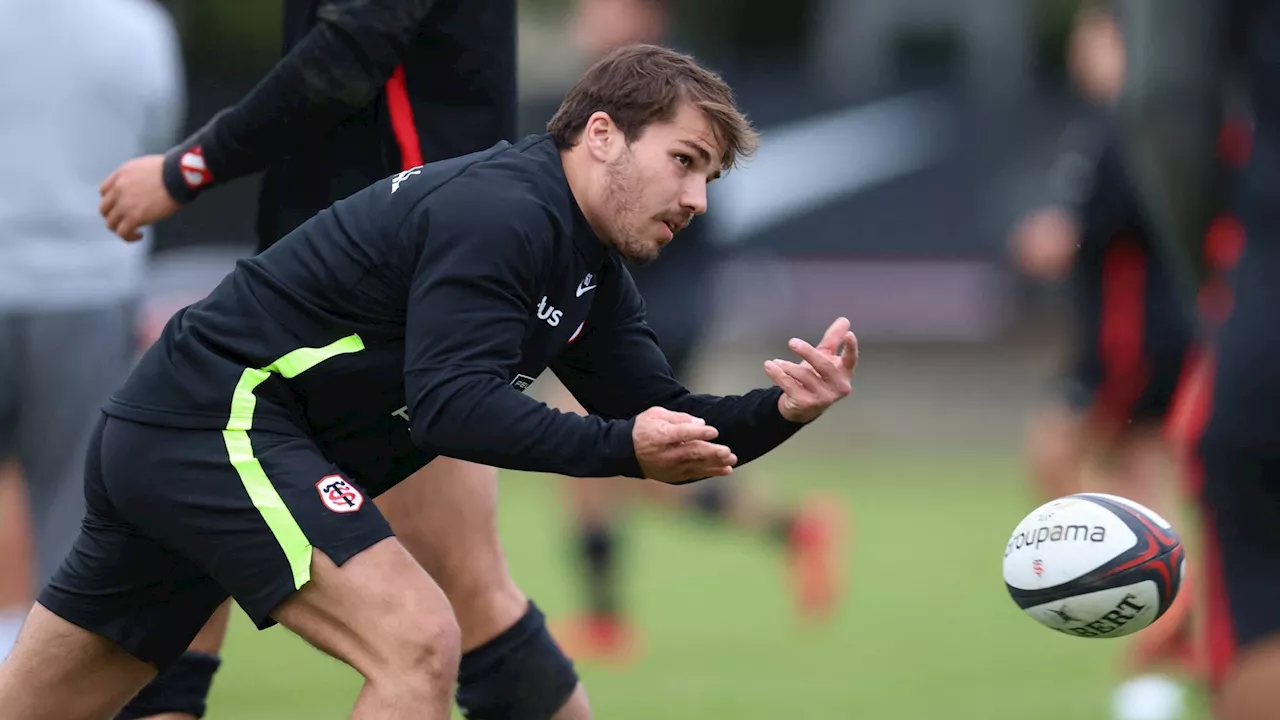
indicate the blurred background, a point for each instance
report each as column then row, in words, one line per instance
column 902, row 142
column 902, row 139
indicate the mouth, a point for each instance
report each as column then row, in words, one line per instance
column 674, row 226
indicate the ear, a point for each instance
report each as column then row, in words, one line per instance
column 602, row 137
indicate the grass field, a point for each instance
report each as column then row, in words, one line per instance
column 927, row 631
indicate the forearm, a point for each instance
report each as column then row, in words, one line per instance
column 338, row 68
column 750, row 425
column 482, row 420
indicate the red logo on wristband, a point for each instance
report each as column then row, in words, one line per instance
column 194, row 171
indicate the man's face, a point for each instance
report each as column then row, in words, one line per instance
column 1097, row 60
column 657, row 183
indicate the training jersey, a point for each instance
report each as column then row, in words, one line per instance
column 1132, row 328
column 422, row 307
column 1246, row 390
column 366, row 88
column 1119, row 280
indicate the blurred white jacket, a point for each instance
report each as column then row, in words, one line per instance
column 84, row 86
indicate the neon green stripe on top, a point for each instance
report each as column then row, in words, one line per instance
column 294, row 543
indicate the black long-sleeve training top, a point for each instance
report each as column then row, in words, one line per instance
column 435, row 297
column 366, row 88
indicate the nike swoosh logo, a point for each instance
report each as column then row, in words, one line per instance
column 584, row 289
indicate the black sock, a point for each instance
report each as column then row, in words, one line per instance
column 599, row 554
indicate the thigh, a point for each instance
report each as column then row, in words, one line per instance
column 58, row 671
column 247, row 507
column 446, row 515
column 357, row 611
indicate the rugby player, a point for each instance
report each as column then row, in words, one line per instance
column 1181, row 56
column 272, row 410
column 366, row 88
column 1133, row 341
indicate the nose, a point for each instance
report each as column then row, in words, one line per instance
column 694, row 198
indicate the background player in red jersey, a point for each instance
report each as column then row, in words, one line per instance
column 1134, row 338
column 1183, row 55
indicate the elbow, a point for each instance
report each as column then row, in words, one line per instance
column 373, row 38
column 428, row 428
column 426, row 437
column 445, row 420
column 436, row 434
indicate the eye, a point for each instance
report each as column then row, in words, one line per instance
column 684, row 160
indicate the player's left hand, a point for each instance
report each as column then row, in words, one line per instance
column 134, row 195
column 825, row 376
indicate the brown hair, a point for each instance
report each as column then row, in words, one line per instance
column 638, row 85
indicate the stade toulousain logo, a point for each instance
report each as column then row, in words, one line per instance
column 339, row 495
column 194, row 171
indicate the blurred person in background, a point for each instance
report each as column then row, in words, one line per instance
column 368, row 89
column 17, row 562
column 1133, row 342
column 89, row 84
column 1182, row 56
column 678, row 290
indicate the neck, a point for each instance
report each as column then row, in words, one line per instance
column 577, row 172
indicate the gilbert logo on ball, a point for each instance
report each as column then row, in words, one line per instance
column 1094, row 565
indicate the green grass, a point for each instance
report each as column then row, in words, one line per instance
column 927, row 630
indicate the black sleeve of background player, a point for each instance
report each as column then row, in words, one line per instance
column 338, row 67
column 616, row 370
column 1111, row 207
column 468, row 312
column 1169, row 121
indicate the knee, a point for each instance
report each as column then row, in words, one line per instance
column 435, row 647
column 420, row 647
column 182, row 689
column 519, row 675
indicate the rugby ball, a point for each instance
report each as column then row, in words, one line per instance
column 1094, row 565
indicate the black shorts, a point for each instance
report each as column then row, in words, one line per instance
column 1237, row 453
column 1240, row 557
column 177, row 520
column 1134, row 338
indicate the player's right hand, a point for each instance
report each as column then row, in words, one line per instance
column 134, row 196
column 675, row 448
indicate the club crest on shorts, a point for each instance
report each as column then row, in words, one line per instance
column 339, row 495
